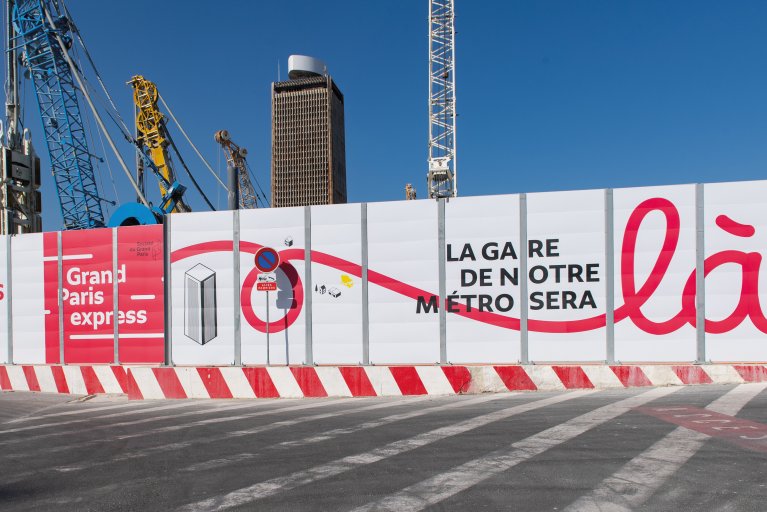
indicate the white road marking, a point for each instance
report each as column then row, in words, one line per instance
column 345, row 464
column 444, row 485
column 138, row 483
column 330, row 434
column 186, row 444
column 292, row 405
column 166, row 447
column 228, row 407
column 134, row 405
column 85, row 420
column 299, row 405
column 633, row 484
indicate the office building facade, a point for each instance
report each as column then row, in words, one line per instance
column 308, row 143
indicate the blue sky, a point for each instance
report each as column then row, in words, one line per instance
column 551, row 95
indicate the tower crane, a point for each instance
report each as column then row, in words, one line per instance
column 442, row 175
column 36, row 32
column 20, row 167
column 235, row 156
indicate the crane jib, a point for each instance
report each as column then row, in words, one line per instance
column 62, row 120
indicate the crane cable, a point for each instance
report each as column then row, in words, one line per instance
column 188, row 172
column 74, row 28
column 253, row 175
column 125, row 130
column 76, row 75
column 114, row 115
column 103, row 148
column 181, row 129
column 121, row 123
column 117, row 119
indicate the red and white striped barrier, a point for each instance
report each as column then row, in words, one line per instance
column 73, row 380
column 144, row 382
column 296, row 381
column 559, row 377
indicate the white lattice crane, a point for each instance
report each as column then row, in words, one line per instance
column 442, row 175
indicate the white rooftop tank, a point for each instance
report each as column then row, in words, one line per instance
column 301, row 66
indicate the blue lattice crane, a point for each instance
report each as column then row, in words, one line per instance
column 40, row 26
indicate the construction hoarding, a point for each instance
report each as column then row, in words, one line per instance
column 643, row 274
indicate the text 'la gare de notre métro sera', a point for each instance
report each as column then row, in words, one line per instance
column 472, row 278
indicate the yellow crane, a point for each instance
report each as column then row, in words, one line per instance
column 153, row 134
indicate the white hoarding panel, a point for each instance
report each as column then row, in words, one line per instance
column 4, row 299
column 403, row 273
column 281, row 229
column 336, row 284
column 654, row 259
column 735, row 238
column 202, row 282
column 482, row 278
column 566, row 276
column 34, row 298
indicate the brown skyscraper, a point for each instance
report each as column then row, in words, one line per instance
column 308, row 147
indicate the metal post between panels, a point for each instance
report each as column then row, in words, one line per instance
column 60, row 296
column 524, row 354
column 700, row 282
column 115, row 296
column 609, row 277
column 236, row 287
column 441, row 256
column 308, row 276
column 8, row 297
column 168, row 314
column 364, row 277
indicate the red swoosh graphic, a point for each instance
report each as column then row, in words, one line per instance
column 399, row 287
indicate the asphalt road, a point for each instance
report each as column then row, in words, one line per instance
column 687, row 448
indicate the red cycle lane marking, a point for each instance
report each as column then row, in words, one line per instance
column 747, row 434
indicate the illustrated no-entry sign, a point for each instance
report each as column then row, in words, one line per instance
column 267, row 259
